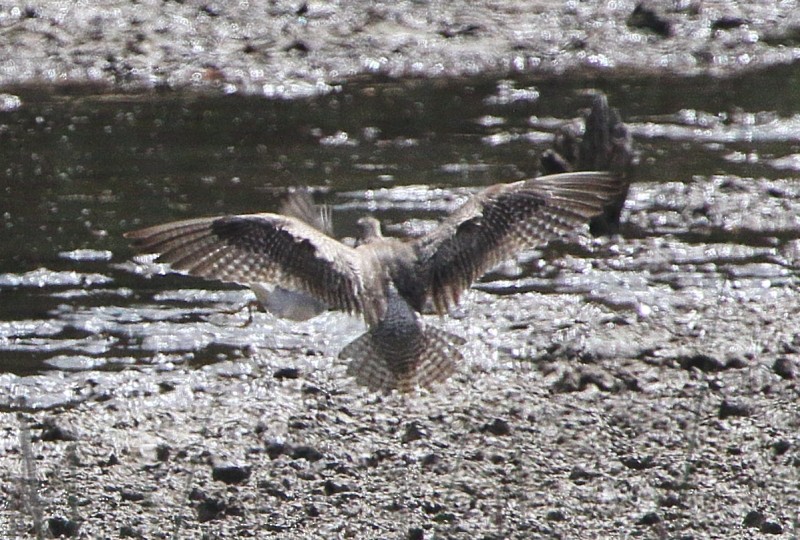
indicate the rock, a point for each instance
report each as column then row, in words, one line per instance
column 646, row 18
column 412, row 433
column 578, row 379
column 579, row 475
column 650, row 518
column 638, row 463
column 498, row 427
column 273, row 489
column 781, row 446
column 275, row 449
column 231, row 474
column 429, row 460
column 703, row 362
column 111, row 461
column 131, row 495
column 332, row 488
column 61, row 527
column 555, row 515
column 162, row 452
column 210, row 509
column 785, row 368
column 415, row 533
column 754, row 519
column 286, row 373
column 731, row 408
column 670, row 501
column 770, row 527
column 51, row 431
column 727, row 22
column 128, row 531
column 306, row 452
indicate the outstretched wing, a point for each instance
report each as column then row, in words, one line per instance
column 255, row 248
column 504, row 219
column 299, row 204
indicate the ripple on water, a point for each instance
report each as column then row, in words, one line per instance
column 42, row 277
column 87, row 255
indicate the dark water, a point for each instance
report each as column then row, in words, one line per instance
column 718, row 185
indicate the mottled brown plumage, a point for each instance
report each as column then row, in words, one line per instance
column 387, row 280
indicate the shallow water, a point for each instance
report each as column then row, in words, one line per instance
column 714, row 212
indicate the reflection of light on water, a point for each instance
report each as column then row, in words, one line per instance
column 42, row 277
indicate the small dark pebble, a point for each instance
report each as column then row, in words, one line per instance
column 197, row 495
column 231, row 474
column 130, row 495
column 51, row 431
column 210, row 10
column 785, row 368
column 273, row 489
column 111, row 461
column 275, row 449
column 297, row 46
column 312, row 511
column 555, row 515
column 127, row 531
column 703, row 362
column 162, row 452
column 498, row 427
column 638, row 463
column 570, row 381
column 412, row 433
column 210, row 509
column 415, row 533
column 310, row 390
column 650, row 518
column 62, row 527
column 770, row 527
column 332, row 488
column 579, row 474
column 731, row 408
column 754, row 519
column 736, row 362
column 781, row 446
column 497, row 459
column 308, row 453
column 166, row 386
column 431, row 507
column 429, row 460
column 578, row 380
column 670, row 501
column 286, row 373
column 727, row 22
column 644, row 17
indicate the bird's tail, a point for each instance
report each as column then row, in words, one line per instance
column 428, row 358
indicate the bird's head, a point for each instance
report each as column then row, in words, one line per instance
column 369, row 229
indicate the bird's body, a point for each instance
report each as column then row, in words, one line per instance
column 387, row 280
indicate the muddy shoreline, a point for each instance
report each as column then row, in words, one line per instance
column 291, row 49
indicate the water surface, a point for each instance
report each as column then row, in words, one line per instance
column 715, row 206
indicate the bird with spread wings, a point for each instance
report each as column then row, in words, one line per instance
column 387, row 281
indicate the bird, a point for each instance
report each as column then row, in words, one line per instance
column 388, row 281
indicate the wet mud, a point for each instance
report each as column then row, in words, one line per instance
column 643, row 384
column 296, row 48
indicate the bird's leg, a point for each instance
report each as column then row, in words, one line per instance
column 252, row 306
